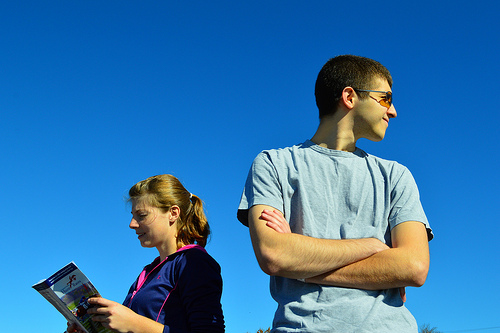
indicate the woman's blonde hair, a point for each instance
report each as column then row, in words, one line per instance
column 165, row 191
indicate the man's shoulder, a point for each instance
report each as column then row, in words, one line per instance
column 393, row 171
column 393, row 164
column 285, row 150
column 296, row 150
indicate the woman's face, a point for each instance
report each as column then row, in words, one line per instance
column 154, row 228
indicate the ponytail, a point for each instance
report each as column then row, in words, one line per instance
column 195, row 228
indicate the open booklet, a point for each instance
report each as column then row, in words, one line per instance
column 68, row 290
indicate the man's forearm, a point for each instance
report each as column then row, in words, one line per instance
column 405, row 265
column 380, row 271
column 297, row 256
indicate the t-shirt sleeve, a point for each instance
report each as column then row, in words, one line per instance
column 262, row 187
column 200, row 287
column 405, row 202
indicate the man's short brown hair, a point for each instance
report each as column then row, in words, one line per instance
column 346, row 71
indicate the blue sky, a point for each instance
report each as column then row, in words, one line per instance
column 97, row 95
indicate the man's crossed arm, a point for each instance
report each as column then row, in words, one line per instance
column 354, row 263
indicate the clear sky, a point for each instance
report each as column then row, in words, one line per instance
column 97, row 95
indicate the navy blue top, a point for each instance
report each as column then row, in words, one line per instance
column 182, row 292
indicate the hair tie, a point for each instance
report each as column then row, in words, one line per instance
column 190, row 196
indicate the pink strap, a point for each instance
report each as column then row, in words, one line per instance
column 141, row 279
column 192, row 246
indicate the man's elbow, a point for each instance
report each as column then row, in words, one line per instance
column 269, row 268
column 269, row 253
column 419, row 271
column 270, row 261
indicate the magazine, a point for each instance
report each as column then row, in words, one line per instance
column 68, row 291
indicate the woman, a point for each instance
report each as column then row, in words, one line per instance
column 180, row 290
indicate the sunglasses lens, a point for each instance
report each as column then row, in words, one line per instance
column 388, row 100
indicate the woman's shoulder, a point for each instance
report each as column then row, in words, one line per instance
column 196, row 256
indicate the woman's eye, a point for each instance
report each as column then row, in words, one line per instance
column 141, row 216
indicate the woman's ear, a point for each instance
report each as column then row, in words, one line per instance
column 175, row 212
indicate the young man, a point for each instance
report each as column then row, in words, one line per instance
column 341, row 232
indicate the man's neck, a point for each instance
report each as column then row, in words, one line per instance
column 335, row 134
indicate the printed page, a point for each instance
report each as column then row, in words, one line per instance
column 68, row 291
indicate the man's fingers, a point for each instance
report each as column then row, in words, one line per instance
column 276, row 227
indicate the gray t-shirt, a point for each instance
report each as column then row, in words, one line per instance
column 332, row 194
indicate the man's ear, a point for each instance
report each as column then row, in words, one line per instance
column 348, row 97
column 175, row 212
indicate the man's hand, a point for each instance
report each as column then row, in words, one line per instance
column 276, row 221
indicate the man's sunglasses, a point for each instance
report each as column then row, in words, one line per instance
column 385, row 101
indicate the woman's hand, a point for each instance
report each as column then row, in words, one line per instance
column 73, row 328
column 276, row 221
column 112, row 315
